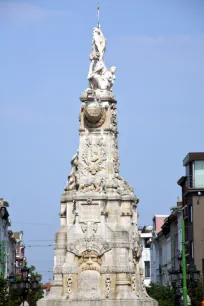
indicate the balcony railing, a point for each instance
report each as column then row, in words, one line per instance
column 195, row 182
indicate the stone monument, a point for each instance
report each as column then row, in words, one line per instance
column 97, row 248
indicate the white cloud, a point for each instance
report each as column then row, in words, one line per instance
column 22, row 11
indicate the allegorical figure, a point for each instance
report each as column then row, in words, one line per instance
column 99, row 76
column 72, row 179
column 102, row 78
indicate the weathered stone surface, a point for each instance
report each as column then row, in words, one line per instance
column 60, row 302
column 97, row 249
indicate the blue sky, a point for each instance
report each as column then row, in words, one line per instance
column 157, row 46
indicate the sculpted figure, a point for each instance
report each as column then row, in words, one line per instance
column 72, row 180
column 90, row 261
column 102, row 78
column 89, row 277
column 99, row 76
column 98, row 44
column 98, row 50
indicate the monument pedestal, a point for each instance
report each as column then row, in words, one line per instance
column 60, row 302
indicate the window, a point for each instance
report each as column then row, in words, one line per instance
column 146, row 243
column 191, row 249
column 190, row 213
column 199, row 173
column 147, row 268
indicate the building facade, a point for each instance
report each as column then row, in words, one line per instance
column 192, row 185
column 20, row 252
column 166, row 245
column 4, row 238
column 155, row 249
column 12, row 257
column 11, row 254
column 145, row 260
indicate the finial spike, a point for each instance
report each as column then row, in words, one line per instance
column 98, row 11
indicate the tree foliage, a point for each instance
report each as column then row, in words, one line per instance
column 14, row 297
column 3, row 292
column 34, row 295
column 164, row 295
column 196, row 293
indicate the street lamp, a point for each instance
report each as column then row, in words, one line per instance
column 25, row 283
column 176, row 276
column 193, row 275
column 25, row 272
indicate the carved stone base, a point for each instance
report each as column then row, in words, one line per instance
column 135, row 302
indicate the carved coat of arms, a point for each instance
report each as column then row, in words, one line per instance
column 94, row 156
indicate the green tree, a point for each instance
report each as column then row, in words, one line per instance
column 17, row 296
column 34, row 294
column 4, row 296
column 196, row 293
column 164, row 295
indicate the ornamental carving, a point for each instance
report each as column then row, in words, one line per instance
column 94, row 155
column 113, row 119
column 123, row 187
column 115, row 160
column 93, row 186
column 89, row 260
column 133, row 283
column 94, row 243
column 143, row 288
column 69, row 286
column 91, row 114
column 108, row 286
column 137, row 250
column 89, row 228
column 72, row 178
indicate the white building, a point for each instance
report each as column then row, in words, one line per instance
column 166, row 245
column 11, row 245
column 145, row 261
column 4, row 224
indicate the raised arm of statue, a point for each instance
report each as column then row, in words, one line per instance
column 99, row 43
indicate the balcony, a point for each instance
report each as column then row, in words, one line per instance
column 194, row 182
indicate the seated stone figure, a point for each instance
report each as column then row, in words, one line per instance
column 102, row 78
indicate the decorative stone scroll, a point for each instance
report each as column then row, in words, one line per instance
column 108, row 286
column 69, row 286
column 113, row 119
column 133, row 284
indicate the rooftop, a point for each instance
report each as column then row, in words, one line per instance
column 193, row 156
